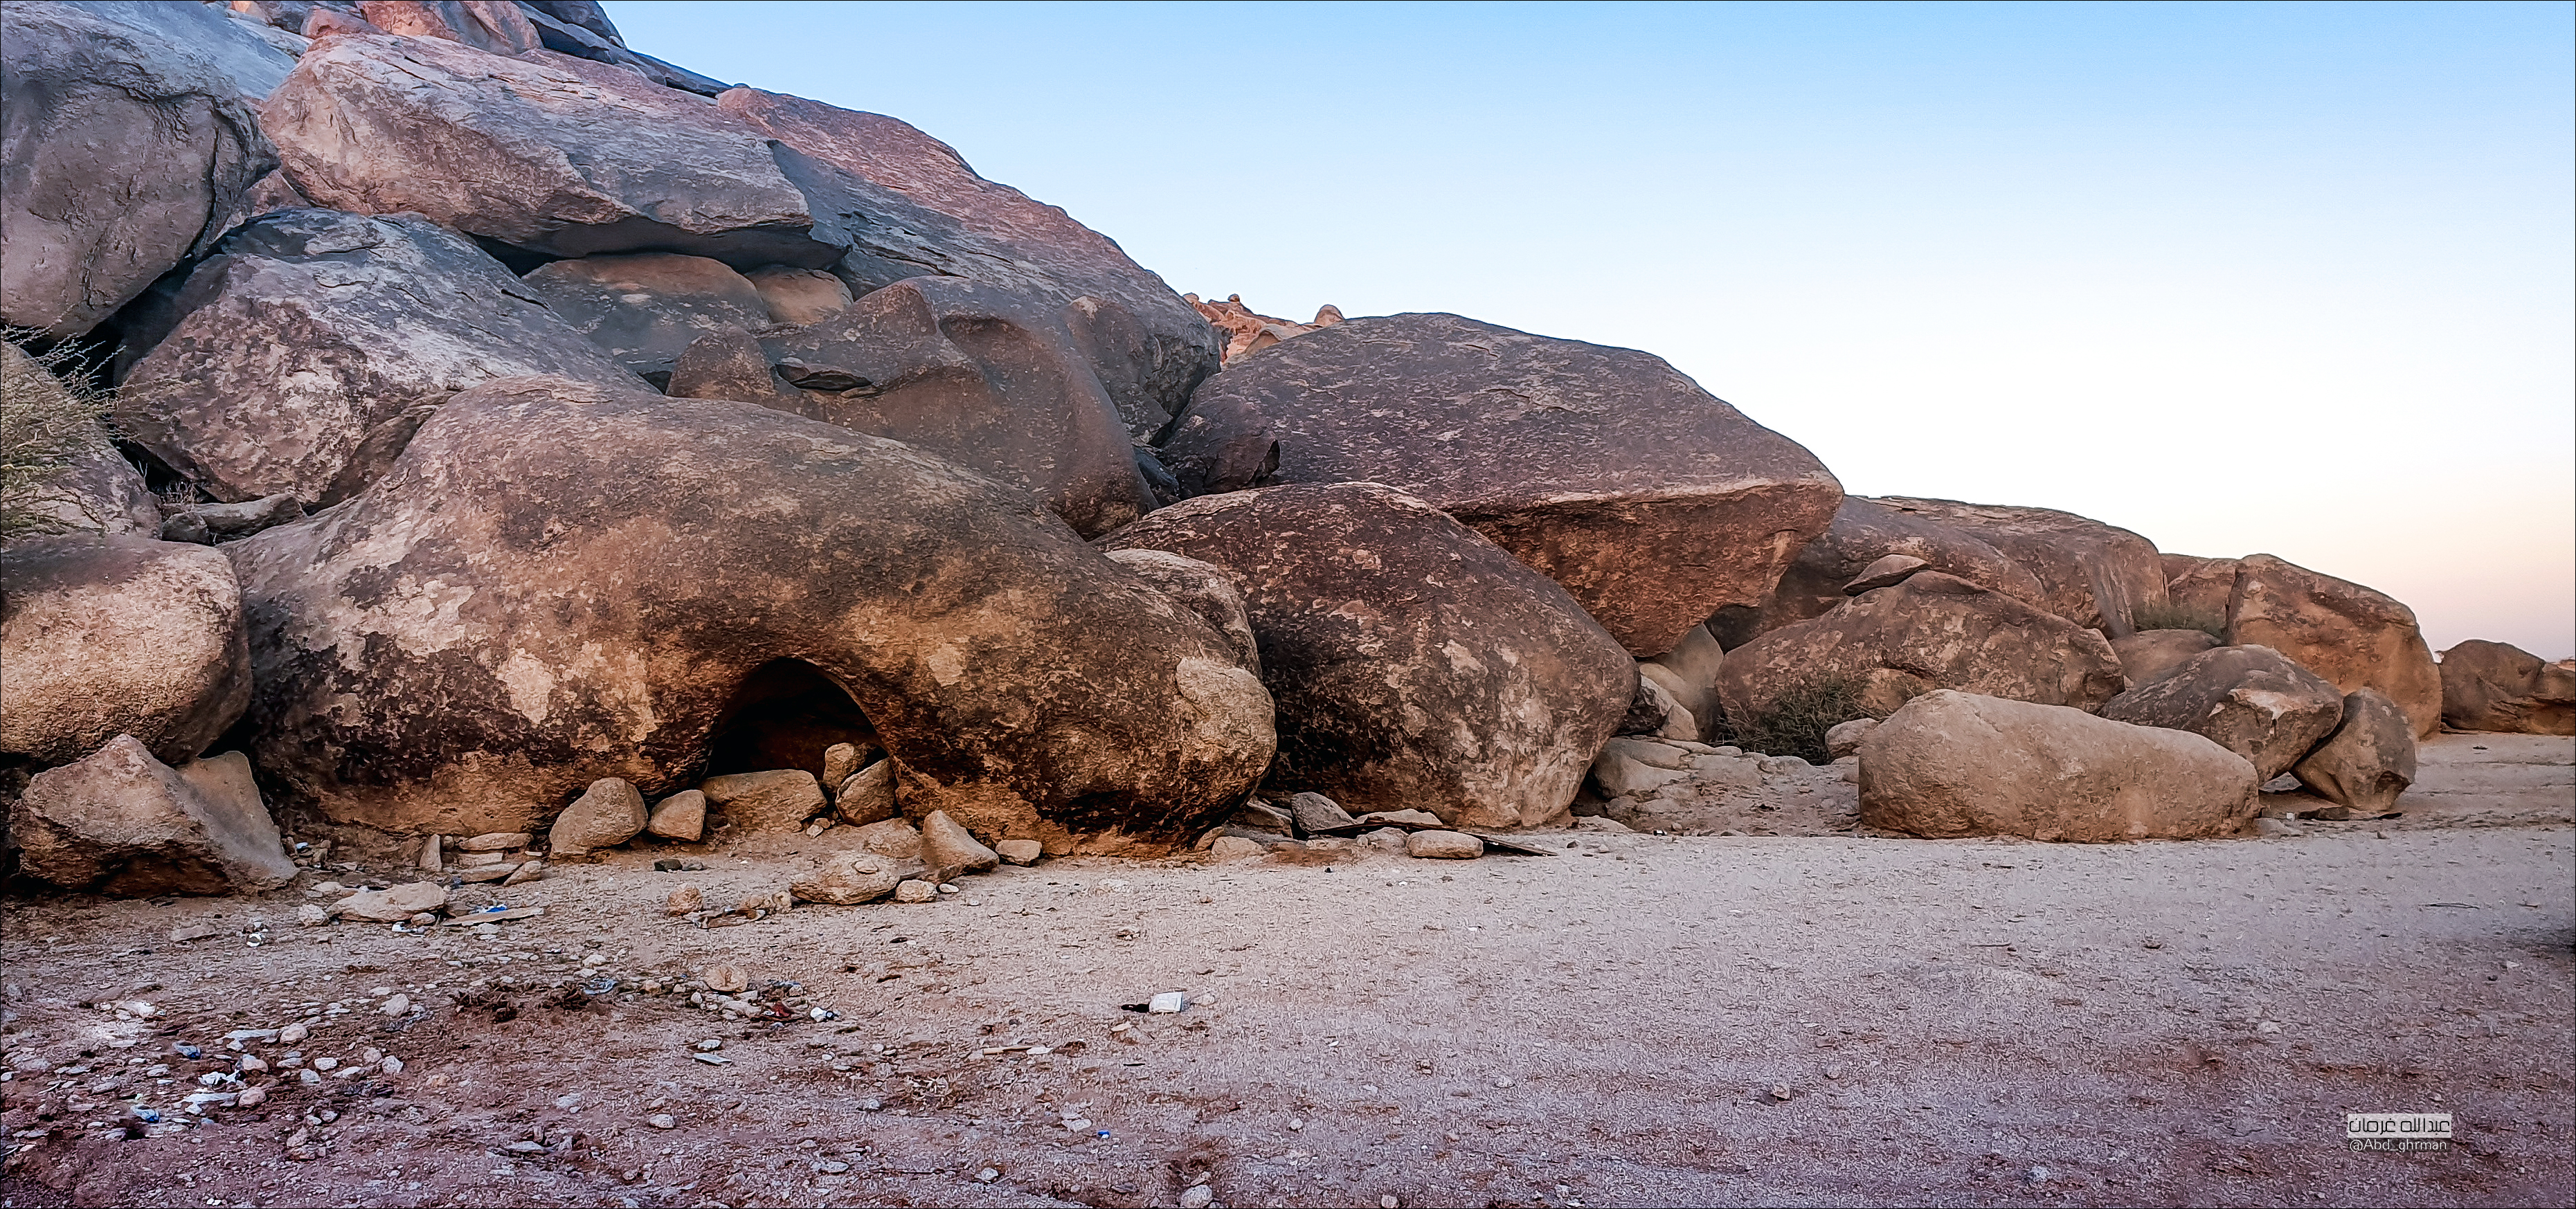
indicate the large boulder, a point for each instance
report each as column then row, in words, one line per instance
column 1932, row 631
column 106, row 636
column 2247, row 699
column 311, row 329
column 2351, row 635
column 1955, row 764
column 988, row 378
column 2199, row 587
column 562, row 581
column 495, row 25
column 910, row 206
column 1415, row 664
column 2151, row 655
column 1863, row 532
column 2366, row 762
column 2092, row 574
column 125, row 154
column 94, row 487
column 647, row 308
column 1202, row 588
column 256, row 61
column 2494, row 686
column 121, row 822
column 1649, row 499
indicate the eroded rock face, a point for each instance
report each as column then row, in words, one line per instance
column 2091, row 573
column 1689, row 673
column 502, row 606
column 2200, row 587
column 1932, row 631
column 2493, row 686
column 108, row 636
column 2247, row 699
column 125, row 153
column 2351, row 635
column 1202, row 588
column 647, row 308
column 310, row 330
column 97, row 489
column 1865, row 531
column 2367, row 762
column 123, row 823
column 2150, row 655
column 254, row 62
column 1650, row 500
column 1415, row 664
column 987, row 378
column 1956, row 764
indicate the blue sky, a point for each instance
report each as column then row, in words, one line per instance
column 2292, row 278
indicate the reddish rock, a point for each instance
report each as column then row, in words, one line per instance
column 2366, row 763
column 1247, row 333
column 2200, row 587
column 106, row 636
column 2090, row 573
column 645, row 309
column 2492, row 686
column 494, row 25
column 2353, row 636
column 123, row 823
column 1863, row 532
column 1414, row 663
column 2150, row 655
column 1651, row 501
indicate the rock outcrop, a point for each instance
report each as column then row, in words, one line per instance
column 1933, row 631
column 2092, row 574
column 108, row 636
column 1651, row 501
column 646, row 308
column 1246, row 332
column 561, row 581
column 1414, row 663
column 2493, row 686
column 2366, row 763
column 126, row 153
column 2247, row 699
column 1955, row 764
column 123, row 823
column 2150, row 655
column 2351, row 635
column 314, row 335
column 1863, row 532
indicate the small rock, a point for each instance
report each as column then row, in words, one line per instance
column 723, row 979
column 1443, row 846
column 1410, row 820
column 848, row 879
column 710, row 1045
column 292, row 1034
column 1019, row 852
column 251, row 1097
column 911, row 890
column 399, row 1005
column 839, row 761
column 1387, row 839
column 1780, row 1092
column 772, row 902
column 1843, row 738
column 390, row 1065
column 988, row 1175
column 949, row 849
column 311, row 916
column 430, row 860
column 661, row 1120
column 607, row 814
column 681, row 816
column 422, row 920
column 684, row 900
column 776, row 800
column 867, row 795
column 496, row 841
column 525, row 873
column 1197, row 1197
column 1167, row 1003
column 392, row 906
column 711, row 1059
column 326, row 1064
column 1314, row 813
column 1236, row 848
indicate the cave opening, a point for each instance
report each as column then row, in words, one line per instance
column 785, row 715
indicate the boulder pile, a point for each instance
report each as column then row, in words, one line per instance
column 491, row 435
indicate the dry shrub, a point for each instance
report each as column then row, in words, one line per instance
column 2178, row 617
column 49, row 416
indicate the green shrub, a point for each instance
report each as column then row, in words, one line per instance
column 1796, row 722
column 2178, row 617
column 49, row 416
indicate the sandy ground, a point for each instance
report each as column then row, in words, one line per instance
column 1964, row 1022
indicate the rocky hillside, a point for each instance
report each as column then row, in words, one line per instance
column 438, row 417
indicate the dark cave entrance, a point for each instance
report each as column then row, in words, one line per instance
column 784, row 716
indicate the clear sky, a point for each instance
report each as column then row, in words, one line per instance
column 2289, row 278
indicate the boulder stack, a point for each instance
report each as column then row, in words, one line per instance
column 2493, row 686
column 2353, row 636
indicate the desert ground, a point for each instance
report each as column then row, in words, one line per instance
column 1825, row 1018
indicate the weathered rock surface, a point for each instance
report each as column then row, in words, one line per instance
column 800, row 297
column 733, row 365
column 2150, row 655
column 1956, row 764
column 107, row 636
column 393, row 904
column 1654, row 711
column 1414, row 663
column 1202, row 588
column 950, row 850
column 499, row 603
column 123, row 823
column 1689, row 672
column 772, row 800
column 1246, row 332
column 2351, row 635
column 681, row 816
column 868, row 795
column 490, row 25
column 607, row 814
column 987, row 378
column 250, row 58
column 1864, row 532
column 1443, row 846
column 125, row 153
column 2091, row 573
column 910, row 206
column 1843, row 738
column 2200, row 587
column 897, row 838
column 2367, row 762
column 1931, row 631
column 848, row 879
column 311, row 329
column 646, row 308
column 1886, row 572
column 206, row 524
column 1651, row 501
column 2248, row 699
column 2493, row 686
column 96, row 490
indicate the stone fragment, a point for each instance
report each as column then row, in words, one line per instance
column 777, row 800
column 128, row 153
column 495, row 841
column 1204, row 590
column 910, row 890
column 732, row 365
column 607, row 814
column 120, row 822
column 896, row 838
column 1167, row 1002
column 1315, row 814
column 1507, row 431
column 391, row 905
column 2200, row 587
column 681, row 816
column 206, row 524
column 839, row 761
column 1843, row 738
column 2248, row 699
column 2353, row 636
column 1019, row 852
column 1443, row 846
column 646, row 308
column 1886, row 572
column 310, row 330
column 430, row 860
column 839, row 568
column 2366, row 763
column 685, row 900
column 867, row 796
column 103, row 636
column 2092, row 574
column 1231, row 848
column 725, row 980
column 1956, row 764
column 523, row 873
column 1864, row 532
column 949, row 849
column 2151, row 655
column 1932, row 631
column 2492, row 686
column 1412, row 661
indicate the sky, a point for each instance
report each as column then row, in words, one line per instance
column 2284, row 278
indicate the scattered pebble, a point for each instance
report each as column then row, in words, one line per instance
column 661, row 1120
